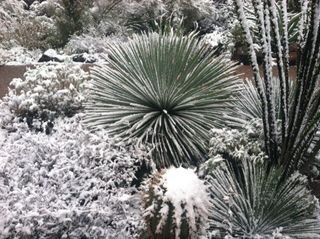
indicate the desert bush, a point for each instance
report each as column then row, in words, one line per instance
column 71, row 19
column 165, row 89
column 92, row 43
column 9, row 11
column 46, row 92
column 140, row 14
column 192, row 12
column 33, row 33
column 238, row 143
column 70, row 184
column 24, row 27
column 118, row 20
column 19, row 55
column 234, row 145
column 44, row 25
column 176, row 204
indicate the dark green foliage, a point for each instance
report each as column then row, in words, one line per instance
column 185, row 14
column 294, row 5
column 70, row 20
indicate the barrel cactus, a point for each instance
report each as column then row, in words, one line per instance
column 176, row 204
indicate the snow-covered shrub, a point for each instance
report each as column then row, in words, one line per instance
column 251, row 200
column 92, row 43
column 18, row 55
column 122, row 18
column 237, row 143
column 21, row 27
column 191, row 11
column 70, row 184
column 117, row 20
column 214, row 39
column 216, row 29
column 176, row 204
column 43, row 24
column 72, row 17
column 34, row 32
column 45, row 7
column 139, row 13
column 10, row 10
column 234, row 145
column 45, row 92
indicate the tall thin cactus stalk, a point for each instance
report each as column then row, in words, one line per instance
column 295, row 145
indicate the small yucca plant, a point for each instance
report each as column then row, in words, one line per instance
column 250, row 201
column 247, row 104
column 165, row 89
column 176, row 205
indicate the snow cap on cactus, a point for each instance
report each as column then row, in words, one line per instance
column 176, row 204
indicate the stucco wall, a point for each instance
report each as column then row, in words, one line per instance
column 8, row 72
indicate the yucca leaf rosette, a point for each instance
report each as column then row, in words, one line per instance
column 166, row 90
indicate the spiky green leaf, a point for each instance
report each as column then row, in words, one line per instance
column 165, row 89
column 251, row 201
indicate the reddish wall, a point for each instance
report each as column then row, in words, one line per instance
column 8, row 72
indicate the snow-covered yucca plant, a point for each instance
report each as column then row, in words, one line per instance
column 251, row 201
column 165, row 89
column 242, row 182
column 45, row 92
column 176, row 204
column 247, row 104
column 70, row 184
